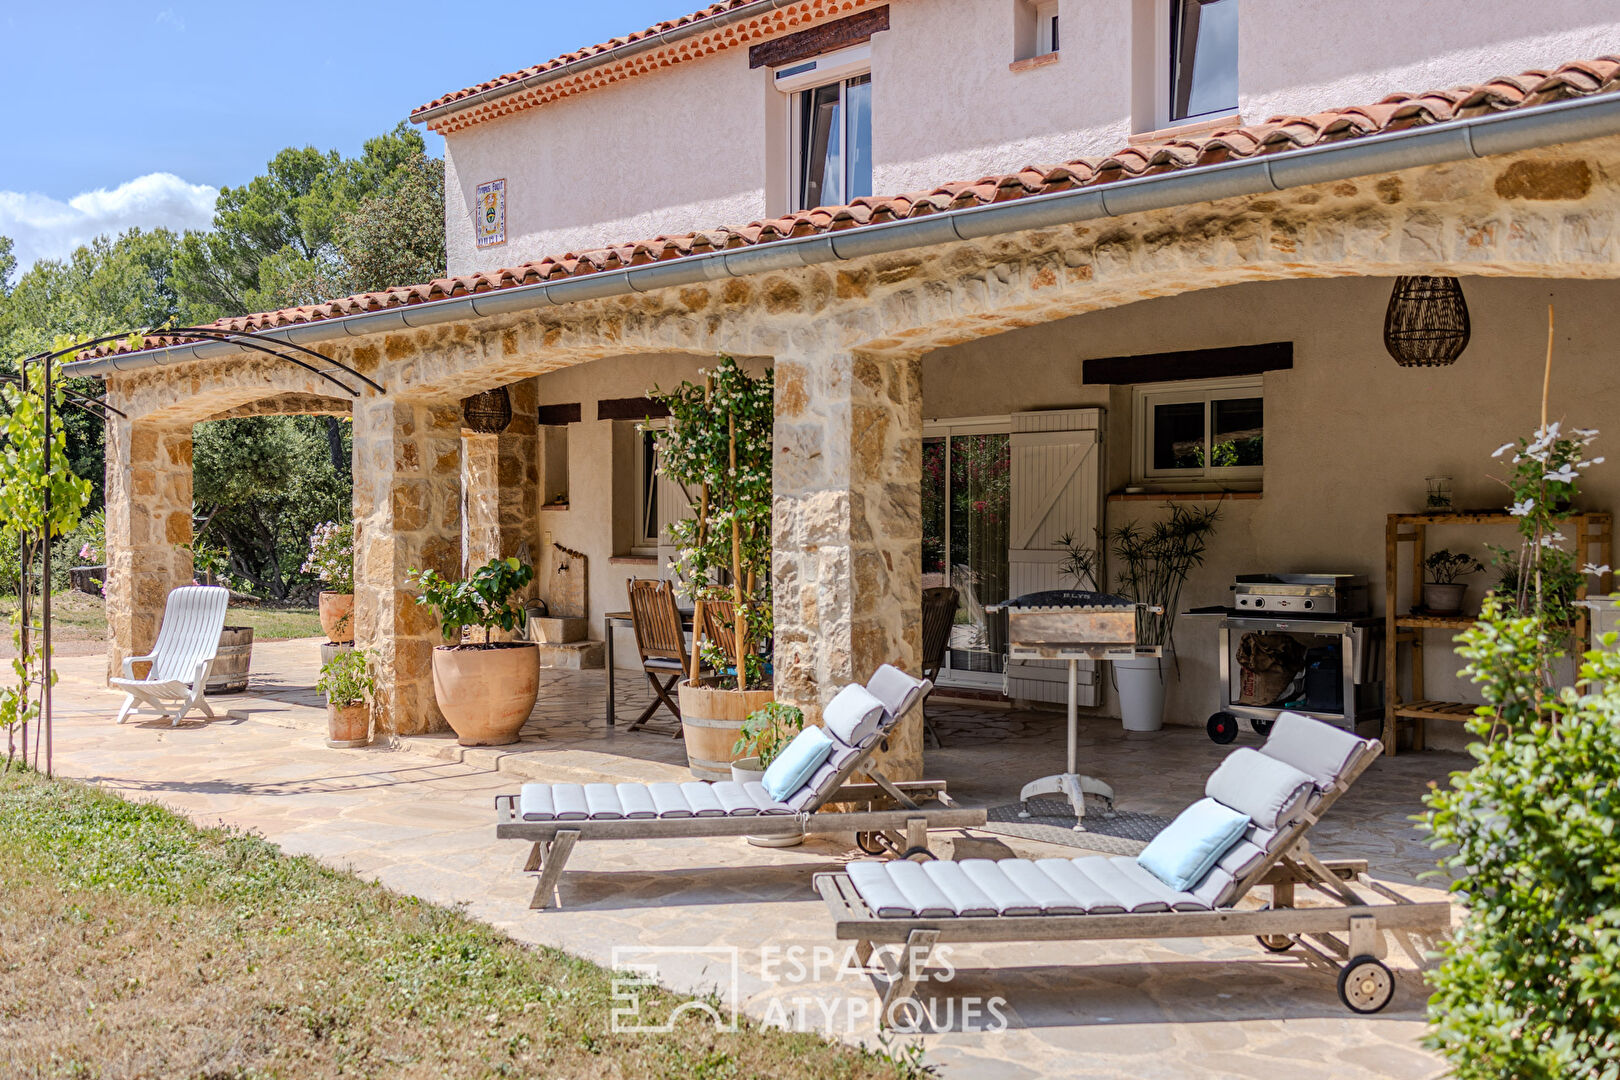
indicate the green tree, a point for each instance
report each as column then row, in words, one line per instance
column 8, row 263
column 396, row 235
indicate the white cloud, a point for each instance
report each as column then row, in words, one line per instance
column 47, row 228
column 168, row 16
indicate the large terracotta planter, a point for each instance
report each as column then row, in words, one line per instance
column 348, row 725
column 711, row 720
column 337, row 616
column 486, row 691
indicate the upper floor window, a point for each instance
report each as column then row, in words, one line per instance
column 1200, row 431
column 834, row 142
column 830, row 98
column 1203, row 58
column 1046, row 27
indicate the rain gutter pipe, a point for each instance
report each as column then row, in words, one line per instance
column 1458, row 140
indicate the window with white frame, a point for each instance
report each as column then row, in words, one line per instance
column 1203, row 58
column 1202, row 432
column 1046, row 27
column 649, row 522
column 831, row 104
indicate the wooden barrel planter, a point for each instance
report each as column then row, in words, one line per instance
column 711, row 720
column 229, row 675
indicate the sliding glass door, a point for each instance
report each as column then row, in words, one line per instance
column 967, row 503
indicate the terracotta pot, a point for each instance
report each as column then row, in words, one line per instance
column 1443, row 599
column 711, row 721
column 348, row 725
column 337, row 616
column 486, row 691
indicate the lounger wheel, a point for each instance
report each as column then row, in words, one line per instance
column 1278, row 943
column 870, row 843
column 1366, row 985
column 919, row 854
column 1261, row 728
column 1222, row 728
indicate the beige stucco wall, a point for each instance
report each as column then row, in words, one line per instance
column 701, row 143
column 1350, row 436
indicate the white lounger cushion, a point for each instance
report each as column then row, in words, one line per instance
column 617, row 802
column 973, row 888
column 1320, row 751
column 854, row 717
column 897, row 690
column 1271, row 792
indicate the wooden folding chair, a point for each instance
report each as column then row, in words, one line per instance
column 720, row 627
column 661, row 641
column 938, row 616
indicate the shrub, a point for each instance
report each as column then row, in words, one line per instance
column 346, row 678
column 331, row 556
column 486, row 599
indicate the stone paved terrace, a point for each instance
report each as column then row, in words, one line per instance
column 417, row 816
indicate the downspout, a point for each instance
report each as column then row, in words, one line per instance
column 609, row 56
column 1500, row 133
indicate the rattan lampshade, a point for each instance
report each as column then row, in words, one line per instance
column 488, row 413
column 1427, row 321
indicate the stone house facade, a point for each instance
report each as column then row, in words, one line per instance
column 913, row 333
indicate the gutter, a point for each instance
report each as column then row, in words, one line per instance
column 1568, row 121
column 609, row 56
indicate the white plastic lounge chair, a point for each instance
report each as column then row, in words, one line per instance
column 553, row 817
column 1100, row 897
column 187, row 643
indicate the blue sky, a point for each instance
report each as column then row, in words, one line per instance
column 136, row 113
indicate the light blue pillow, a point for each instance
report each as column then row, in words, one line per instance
column 1183, row 853
column 794, row 765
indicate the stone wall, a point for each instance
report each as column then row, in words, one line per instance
column 148, row 492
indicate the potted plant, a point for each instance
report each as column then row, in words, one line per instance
column 347, row 683
column 718, row 443
column 1443, row 593
column 331, row 559
column 485, row 689
column 765, row 734
column 1155, row 561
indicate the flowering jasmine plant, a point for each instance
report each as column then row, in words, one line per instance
column 718, row 446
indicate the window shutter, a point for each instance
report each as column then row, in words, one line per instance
column 1056, row 489
column 675, row 503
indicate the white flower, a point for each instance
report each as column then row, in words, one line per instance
column 1586, row 432
column 1500, row 450
column 1594, row 570
column 1552, row 538
column 1564, row 475
column 1520, row 509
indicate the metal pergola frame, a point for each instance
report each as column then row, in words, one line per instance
column 102, row 411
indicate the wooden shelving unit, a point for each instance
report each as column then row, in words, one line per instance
column 1594, row 536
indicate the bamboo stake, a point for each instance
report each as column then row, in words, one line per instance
column 696, row 660
column 736, row 560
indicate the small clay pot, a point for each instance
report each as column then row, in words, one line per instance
column 348, row 726
column 337, row 616
column 1444, row 599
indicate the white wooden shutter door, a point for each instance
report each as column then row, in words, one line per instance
column 674, row 504
column 1056, row 489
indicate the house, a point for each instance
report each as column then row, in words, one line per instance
column 1191, row 308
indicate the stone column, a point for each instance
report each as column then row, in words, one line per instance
column 148, row 519
column 407, row 514
column 501, row 482
column 847, row 523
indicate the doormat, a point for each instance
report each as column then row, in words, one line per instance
column 1052, row 821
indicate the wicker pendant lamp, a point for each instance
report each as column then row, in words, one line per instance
column 488, row 413
column 1427, row 321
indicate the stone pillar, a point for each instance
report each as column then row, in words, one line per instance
column 501, row 484
column 407, row 514
column 847, row 526
column 148, row 519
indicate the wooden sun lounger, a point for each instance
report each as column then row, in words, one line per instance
column 891, row 817
column 1346, row 933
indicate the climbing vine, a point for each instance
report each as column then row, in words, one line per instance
column 24, row 484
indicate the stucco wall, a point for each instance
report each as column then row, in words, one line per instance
column 700, row 143
column 1350, row 436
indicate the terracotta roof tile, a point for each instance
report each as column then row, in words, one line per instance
column 1279, row 133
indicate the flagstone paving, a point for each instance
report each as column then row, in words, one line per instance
column 416, row 814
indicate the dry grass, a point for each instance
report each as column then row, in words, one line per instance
column 134, row 944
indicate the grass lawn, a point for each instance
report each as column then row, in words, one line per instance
column 135, row 944
column 76, row 617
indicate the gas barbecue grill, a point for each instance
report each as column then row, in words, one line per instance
column 1072, row 625
column 1339, row 647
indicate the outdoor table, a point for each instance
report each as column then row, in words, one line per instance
column 622, row 618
